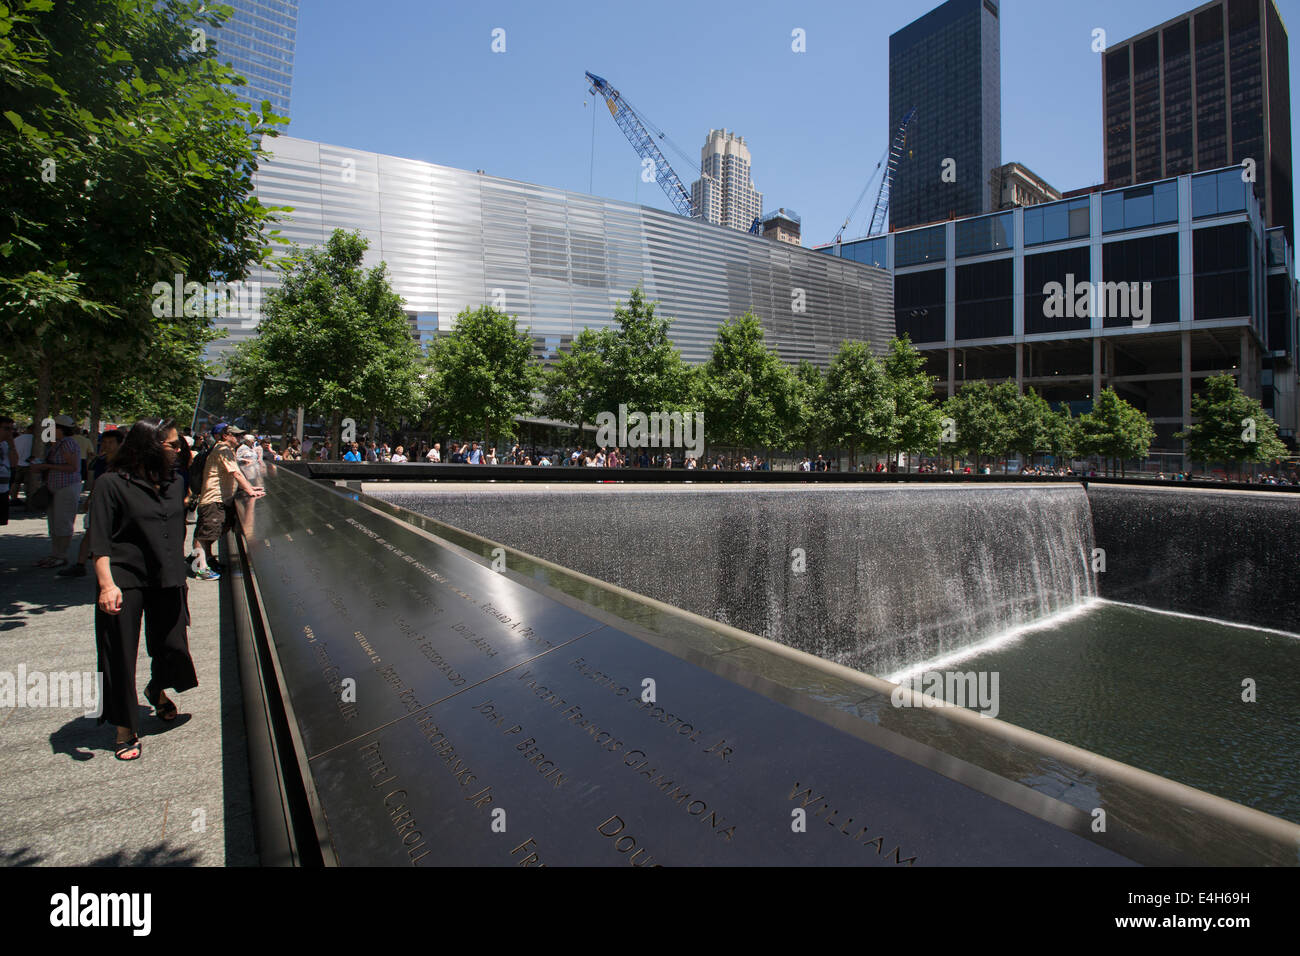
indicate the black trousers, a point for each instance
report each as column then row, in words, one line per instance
column 166, row 617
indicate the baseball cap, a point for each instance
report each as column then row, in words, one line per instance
column 223, row 427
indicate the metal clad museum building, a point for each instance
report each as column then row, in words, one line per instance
column 561, row 261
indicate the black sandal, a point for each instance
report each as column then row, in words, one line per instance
column 126, row 746
column 167, row 712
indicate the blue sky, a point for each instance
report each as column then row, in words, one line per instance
column 419, row 79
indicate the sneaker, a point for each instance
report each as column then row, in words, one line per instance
column 72, row 571
column 207, row 574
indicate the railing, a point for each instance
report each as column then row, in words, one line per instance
column 410, row 471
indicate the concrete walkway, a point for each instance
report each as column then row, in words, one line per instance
column 64, row 799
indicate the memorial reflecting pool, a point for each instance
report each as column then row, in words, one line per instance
column 1159, row 691
column 990, row 579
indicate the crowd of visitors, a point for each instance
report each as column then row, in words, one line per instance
column 139, row 483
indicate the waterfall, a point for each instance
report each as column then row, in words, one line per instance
column 876, row 578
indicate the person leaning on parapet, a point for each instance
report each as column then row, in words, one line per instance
column 246, row 449
column 435, row 453
column 219, row 477
column 138, row 543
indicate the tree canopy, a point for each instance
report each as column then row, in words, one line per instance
column 917, row 418
column 749, row 396
column 126, row 159
column 333, row 339
column 859, row 401
column 641, row 367
column 483, row 375
column 1114, row 430
column 1230, row 426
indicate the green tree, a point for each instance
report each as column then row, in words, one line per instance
column 1062, row 433
column 982, row 428
column 1115, row 431
column 859, row 402
column 917, row 417
column 573, row 388
column 1030, row 425
column 166, row 386
column 126, row 160
column 1230, row 426
column 808, row 429
column 641, row 367
column 748, row 394
column 333, row 339
column 483, row 375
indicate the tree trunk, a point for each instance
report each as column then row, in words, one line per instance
column 333, row 439
column 284, row 430
column 96, row 402
column 44, row 378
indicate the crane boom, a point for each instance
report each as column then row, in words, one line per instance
column 880, row 215
column 634, row 128
column 889, row 162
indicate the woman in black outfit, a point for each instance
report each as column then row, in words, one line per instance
column 137, row 531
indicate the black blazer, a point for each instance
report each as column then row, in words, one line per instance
column 141, row 530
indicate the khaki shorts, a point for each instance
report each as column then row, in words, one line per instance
column 212, row 522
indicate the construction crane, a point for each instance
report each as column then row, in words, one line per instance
column 889, row 162
column 638, row 129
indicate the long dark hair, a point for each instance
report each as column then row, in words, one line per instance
column 145, row 453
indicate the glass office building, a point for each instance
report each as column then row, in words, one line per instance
column 258, row 41
column 1208, row 89
column 999, row 297
column 947, row 65
column 561, row 261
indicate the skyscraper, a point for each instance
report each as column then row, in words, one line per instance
column 258, row 42
column 1207, row 89
column 723, row 194
column 947, row 65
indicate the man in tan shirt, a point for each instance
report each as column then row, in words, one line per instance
column 216, row 499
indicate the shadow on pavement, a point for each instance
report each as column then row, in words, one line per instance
column 160, row 854
column 23, row 856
